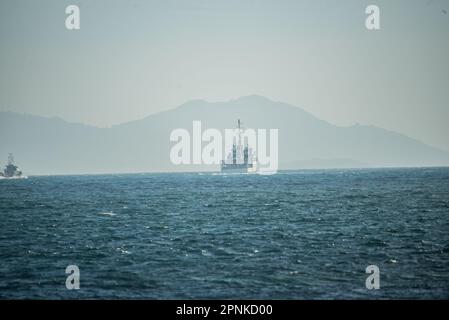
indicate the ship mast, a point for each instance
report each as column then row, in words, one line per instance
column 10, row 159
column 240, row 135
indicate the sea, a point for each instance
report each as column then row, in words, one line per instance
column 307, row 234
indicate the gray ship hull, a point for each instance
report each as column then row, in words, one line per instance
column 236, row 168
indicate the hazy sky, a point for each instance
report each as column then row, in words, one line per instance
column 135, row 58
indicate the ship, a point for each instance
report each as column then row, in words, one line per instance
column 11, row 169
column 240, row 159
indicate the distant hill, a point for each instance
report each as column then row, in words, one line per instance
column 54, row 146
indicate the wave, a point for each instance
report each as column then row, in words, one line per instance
column 111, row 214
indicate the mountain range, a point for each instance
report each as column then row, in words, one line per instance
column 53, row 146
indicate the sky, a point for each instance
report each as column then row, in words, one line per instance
column 131, row 59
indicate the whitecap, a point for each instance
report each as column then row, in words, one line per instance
column 123, row 251
column 111, row 214
column 206, row 253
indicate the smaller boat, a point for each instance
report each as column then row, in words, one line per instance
column 11, row 170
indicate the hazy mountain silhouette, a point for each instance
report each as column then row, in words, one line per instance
column 53, row 146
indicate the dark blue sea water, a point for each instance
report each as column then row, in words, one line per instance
column 294, row 235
